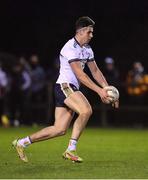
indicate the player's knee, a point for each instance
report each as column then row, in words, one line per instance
column 89, row 112
column 86, row 113
column 61, row 131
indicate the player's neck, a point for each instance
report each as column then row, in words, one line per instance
column 79, row 40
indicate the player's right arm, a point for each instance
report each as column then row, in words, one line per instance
column 84, row 79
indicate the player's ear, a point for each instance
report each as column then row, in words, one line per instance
column 81, row 32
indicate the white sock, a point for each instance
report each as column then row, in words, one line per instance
column 25, row 141
column 72, row 145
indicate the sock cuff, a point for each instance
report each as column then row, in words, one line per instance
column 73, row 139
column 30, row 139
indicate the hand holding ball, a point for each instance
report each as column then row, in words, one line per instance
column 113, row 94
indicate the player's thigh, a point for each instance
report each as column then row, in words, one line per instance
column 78, row 102
column 63, row 117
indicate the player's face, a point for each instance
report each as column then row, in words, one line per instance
column 87, row 34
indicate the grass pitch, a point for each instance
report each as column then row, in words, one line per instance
column 107, row 153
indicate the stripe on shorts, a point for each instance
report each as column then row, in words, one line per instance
column 67, row 90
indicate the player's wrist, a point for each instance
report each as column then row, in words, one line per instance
column 98, row 90
column 104, row 85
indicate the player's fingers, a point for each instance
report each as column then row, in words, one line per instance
column 116, row 104
column 113, row 104
column 104, row 100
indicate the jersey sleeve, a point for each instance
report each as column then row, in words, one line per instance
column 91, row 55
column 70, row 54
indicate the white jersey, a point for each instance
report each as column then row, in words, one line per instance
column 71, row 52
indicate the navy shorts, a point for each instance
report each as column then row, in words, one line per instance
column 62, row 91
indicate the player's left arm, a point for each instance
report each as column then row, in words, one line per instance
column 97, row 74
column 99, row 77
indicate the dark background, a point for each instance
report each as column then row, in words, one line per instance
column 44, row 26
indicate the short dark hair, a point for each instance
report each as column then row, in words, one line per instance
column 84, row 21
